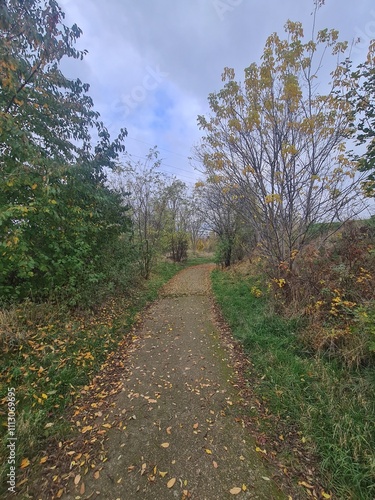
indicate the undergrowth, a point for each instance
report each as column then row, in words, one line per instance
column 330, row 405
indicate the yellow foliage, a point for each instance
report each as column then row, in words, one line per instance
column 280, row 282
column 270, row 198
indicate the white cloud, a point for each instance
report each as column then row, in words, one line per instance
column 189, row 43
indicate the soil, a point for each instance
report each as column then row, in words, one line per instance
column 178, row 434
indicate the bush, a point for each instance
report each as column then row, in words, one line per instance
column 333, row 287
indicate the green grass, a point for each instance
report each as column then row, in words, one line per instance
column 332, row 407
column 200, row 258
column 49, row 355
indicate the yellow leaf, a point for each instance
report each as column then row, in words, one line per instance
column 164, row 445
column 25, row 463
column 162, row 474
column 169, row 430
column 108, row 426
column 77, row 479
column 244, row 487
column 44, row 396
column 59, row 494
column 235, row 491
column 209, row 452
column 96, row 474
column 43, row 460
column 325, row 495
column 34, row 186
column 86, row 428
column 259, row 450
column 171, row 482
column 306, row 485
column 270, row 198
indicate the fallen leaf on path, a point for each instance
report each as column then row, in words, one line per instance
column 235, row 491
column 164, row 445
column 43, row 460
column 96, row 474
column 259, row 450
column 326, row 495
column 82, row 489
column 244, row 487
column 215, row 464
column 209, row 452
column 162, row 474
column 171, row 482
column 306, row 485
column 169, row 430
column 86, row 428
column 77, row 479
column 195, row 426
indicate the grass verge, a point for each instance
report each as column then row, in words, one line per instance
column 48, row 355
column 329, row 406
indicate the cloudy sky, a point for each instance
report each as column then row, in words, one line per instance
column 151, row 64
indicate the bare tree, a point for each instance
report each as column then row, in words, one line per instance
column 146, row 186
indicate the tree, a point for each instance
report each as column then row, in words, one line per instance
column 55, row 208
column 144, row 186
column 280, row 144
column 177, row 220
column 219, row 206
column 195, row 221
column 362, row 97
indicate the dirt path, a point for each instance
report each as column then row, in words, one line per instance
column 178, row 436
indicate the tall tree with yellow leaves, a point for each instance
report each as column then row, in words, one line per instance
column 278, row 140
